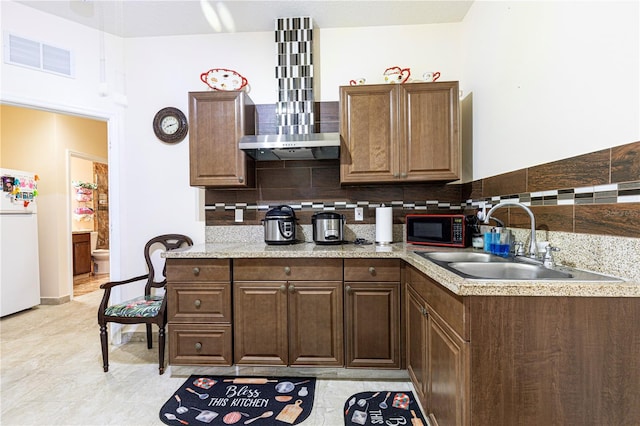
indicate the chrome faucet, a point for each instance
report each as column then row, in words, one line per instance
column 506, row 203
column 496, row 220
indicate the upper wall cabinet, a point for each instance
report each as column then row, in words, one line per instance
column 217, row 120
column 396, row 133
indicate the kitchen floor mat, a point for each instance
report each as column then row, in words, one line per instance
column 227, row 400
column 383, row 408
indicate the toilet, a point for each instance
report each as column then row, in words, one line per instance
column 100, row 256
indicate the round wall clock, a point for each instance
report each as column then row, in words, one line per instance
column 170, row 125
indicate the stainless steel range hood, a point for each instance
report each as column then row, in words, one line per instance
column 312, row 146
column 295, row 139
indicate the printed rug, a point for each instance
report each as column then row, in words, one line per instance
column 383, row 408
column 222, row 400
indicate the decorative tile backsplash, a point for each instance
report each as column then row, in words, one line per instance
column 294, row 72
column 628, row 192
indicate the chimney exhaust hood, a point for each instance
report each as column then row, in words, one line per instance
column 312, row 146
column 295, row 139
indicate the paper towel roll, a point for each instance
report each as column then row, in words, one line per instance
column 384, row 225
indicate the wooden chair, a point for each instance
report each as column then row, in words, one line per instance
column 148, row 309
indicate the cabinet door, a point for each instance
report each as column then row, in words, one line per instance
column 431, row 139
column 369, row 133
column 416, row 344
column 448, row 355
column 315, row 323
column 372, row 316
column 260, row 323
column 217, row 120
column 81, row 253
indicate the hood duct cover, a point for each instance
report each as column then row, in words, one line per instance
column 295, row 107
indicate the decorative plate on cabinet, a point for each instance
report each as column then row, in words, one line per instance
column 223, row 79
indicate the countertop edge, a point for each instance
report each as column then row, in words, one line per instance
column 454, row 283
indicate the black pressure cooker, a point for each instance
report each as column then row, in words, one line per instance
column 280, row 225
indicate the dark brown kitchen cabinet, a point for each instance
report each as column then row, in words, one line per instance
column 555, row 360
column 217, row 121
column 437, row 356
column 81, row 253
column 372, row 313
column 416, row 341
column 288, row 312
column 521, row 360
column 394, row 133
column 199, row 311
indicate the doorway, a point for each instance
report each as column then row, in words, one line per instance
column 89, row 209
column 39, row 137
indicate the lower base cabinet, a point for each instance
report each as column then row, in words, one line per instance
column 544, row 360
column 437, row 356
column 416, row 340
column 372, row 313
column 288, row 312
column 199, row 311
column 81, row 253
column 449, row 370
column 555, row 360
column 536, row 360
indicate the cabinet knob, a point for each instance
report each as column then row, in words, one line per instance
column 283, row 288
column 287, row 270
column 198, row 346
column 348, row 289
column 292, row 288
column 196, row 271
column 403, row 175
column 372, row 270
column 395, row 175
column 197, row 303
column 241, row 179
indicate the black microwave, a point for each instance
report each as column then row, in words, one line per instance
column 448, row 230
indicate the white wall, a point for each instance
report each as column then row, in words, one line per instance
column 350, row 53
column 550, row 80
column 339, row 56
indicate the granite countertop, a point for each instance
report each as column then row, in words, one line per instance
column 457, row 284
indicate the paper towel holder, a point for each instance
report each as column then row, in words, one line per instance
column 384, row 225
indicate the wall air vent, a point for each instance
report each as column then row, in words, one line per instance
column 36, row 55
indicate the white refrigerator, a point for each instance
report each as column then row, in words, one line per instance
column 19, row 261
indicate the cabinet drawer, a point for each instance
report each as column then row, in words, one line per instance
column 287, row 270
column 372, row 270
column 200, row 344
column 81, row 238
column 199, row 302
column 198, row 269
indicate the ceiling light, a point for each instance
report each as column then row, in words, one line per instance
column 226, row 18
column 210, row 15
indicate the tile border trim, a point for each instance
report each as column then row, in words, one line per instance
column 616, row 193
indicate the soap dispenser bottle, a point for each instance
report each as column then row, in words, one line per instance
column 489, row 239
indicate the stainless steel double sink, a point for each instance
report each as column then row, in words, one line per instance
column 485, row 266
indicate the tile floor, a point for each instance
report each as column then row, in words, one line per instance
column 51, row 374
column 83, row 284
